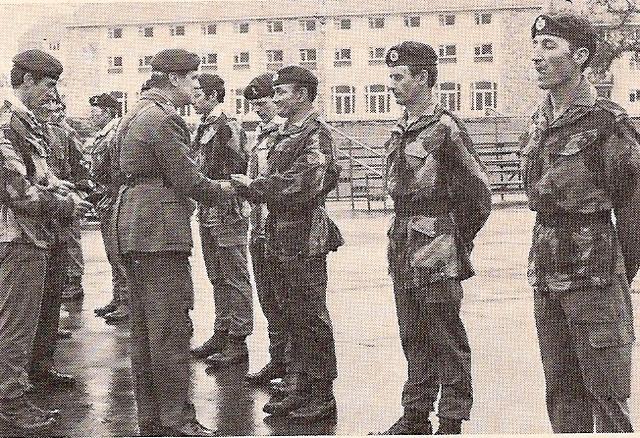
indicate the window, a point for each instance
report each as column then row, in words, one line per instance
column 376, row 55
column 144, row 63
column 484, row 95
column 483, row 53
column 447, row 19
column 121, row 97
column 242, row 105
column 634, row 96
column 378, row 99
column 450, row 96
column 241, row 60
column 376, row 22
column 274, row 26
column 342, row 58
column 344, row 99
column 308, row 25
column 209, row 61
column 308, row 58
column 146, row 32
column 208, row 29
column 115, row 64
column 447, row 54
column 274, row 59
column 115, row 32
column 177, row 30
column 634, row 62
column 241, row 27
column 412, row 21
column 483, row 18
column 54, row 46
column 343, row 23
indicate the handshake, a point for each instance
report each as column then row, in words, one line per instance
column 240, row 184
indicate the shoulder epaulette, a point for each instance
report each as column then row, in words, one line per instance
column 611, row 107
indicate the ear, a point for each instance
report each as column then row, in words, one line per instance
column 173, row 78
column 302, row 93
column 214, row 96
column 28, row 80
column 581, row 55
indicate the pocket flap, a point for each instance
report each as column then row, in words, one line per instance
column 577, row 142
column 607, row 335
column 423, row 224
column 416, row 149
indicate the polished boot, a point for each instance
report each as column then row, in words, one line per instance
column 272, row 370
column 234, row 352
column 214, row 344
column 321, row 404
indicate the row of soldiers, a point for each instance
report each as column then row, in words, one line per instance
column 581, row 162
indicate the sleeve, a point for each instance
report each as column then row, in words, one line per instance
column 79, row 170
column 171, row 147
column 302, row 182
column 101, row 161
column 468, row 182
column 17, row 192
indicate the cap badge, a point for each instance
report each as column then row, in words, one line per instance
column 254, row 91
column 275, row 77
column 393, row 55
column 541, row 22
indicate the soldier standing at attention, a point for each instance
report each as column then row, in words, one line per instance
column 580, row 161
column 104, row 171
column 31, row 198
column 221, row 145
column 442, row 199
column 301, row 170
column 260, row 93
column 153, row 213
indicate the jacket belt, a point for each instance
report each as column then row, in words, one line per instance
column 420, row 207
column 569, row 219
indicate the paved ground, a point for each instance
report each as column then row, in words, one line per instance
column 497, row 311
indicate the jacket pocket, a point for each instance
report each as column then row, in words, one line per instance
column 432, row 248
column 177, row 227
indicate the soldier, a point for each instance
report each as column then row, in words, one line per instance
column 301, row 170
column 260, row 93
column 220, row 143
column 104, row 171
column 31, row 198
column 580, row 161
column 442, row 199
column 153, row 213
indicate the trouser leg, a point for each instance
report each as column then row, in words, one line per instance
column 235, row 280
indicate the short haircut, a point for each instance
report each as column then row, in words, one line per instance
column 432, row 71
column 17, row 76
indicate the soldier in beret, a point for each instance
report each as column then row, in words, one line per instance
column 221, row 145
column 260, row 93
column 301, row 170
column 105, row 110
column 32, row 200
column 153, row 213
column 442, row 199
column 580, row 161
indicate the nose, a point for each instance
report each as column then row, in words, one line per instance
column 536, row 54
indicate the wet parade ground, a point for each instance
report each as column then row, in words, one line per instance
column 497, row 311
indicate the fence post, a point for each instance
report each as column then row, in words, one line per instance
column 353, row 205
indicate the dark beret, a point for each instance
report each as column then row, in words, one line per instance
column 175, row 60
column 210, row 83
column 37, row 61
column 294, row 75
column 259, row 87
column 571, row 27
column 411, row 53
column 105, row 101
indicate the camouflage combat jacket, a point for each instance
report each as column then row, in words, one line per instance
column 301, row 171
column 104, row 168
column 576, row 169
column 28, row 204
column 441, row 197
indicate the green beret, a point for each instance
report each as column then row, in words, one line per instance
column 37, row 61
column 294, row 75
column 210, row 83
column 175, row 60
column 259, row 87
column 104, row 100
column 411, row 53
column 571, row 27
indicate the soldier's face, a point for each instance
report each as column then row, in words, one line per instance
column 286, row 100
column 39, row 93
column 100, row 117
column 201, row 103
column 405, row 87
column 186, row 87
column 264, row 108
column 555, row 61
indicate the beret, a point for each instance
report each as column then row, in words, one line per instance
column 37, row 61
column 259, row 87
column 294, row 75
column 175, row 60
column 105, row 101
column 210, row 83
column 411, row 53
column 145, row 86
column 571, row 27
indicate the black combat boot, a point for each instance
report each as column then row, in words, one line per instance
column 73, row 289
column 214, row 344
column 272, row 370
column 322, row 403
column 278, row 405
column 234, row 352
column 111, row 307
column 411, row 423
column 449, row 426
column 120, row 315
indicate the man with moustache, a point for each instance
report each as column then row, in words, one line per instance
column 153, row 214
column 580, row 161
column 442, row 199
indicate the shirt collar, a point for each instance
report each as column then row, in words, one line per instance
column 274, row 123
column 216, row 112
column 108, row 127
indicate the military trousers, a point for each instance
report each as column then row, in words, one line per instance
column 46, row 338
column 118, row 271
column 302, row 284
column 436, row 347
column 272, row 305
column 23, row 267
column 75, row 267
column 585, row 337
column 161, row 289
column 228, row 270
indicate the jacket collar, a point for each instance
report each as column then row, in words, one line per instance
column 430, row 115
column 583, row 99
column 108, row 127
column 158, row 96
column 271, row 125
column 294, row 128
column 215, row 113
